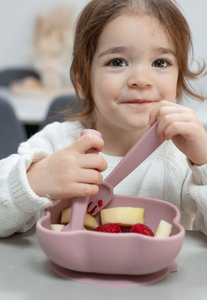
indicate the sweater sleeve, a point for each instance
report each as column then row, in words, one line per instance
column 194, row 200
column 20, row 207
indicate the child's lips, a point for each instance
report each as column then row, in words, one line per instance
column 138, row 101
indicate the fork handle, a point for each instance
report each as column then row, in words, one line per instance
column 135, row 156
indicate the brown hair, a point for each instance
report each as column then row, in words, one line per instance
column 98, row 13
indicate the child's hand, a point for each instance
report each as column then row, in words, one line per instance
column 69, row 172
column 181, row 124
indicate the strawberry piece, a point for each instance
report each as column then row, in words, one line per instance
column 142, row 229
column 100, row 203
column 109, row 227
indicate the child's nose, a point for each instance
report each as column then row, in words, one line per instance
column 140, row 77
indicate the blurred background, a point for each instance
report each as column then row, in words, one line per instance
column 36, row 45
column 18, row 24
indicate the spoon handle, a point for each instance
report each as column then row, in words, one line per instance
column 79, row 204
column 135, row 156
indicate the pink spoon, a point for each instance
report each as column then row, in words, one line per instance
column 79, row 204
column 135, row 156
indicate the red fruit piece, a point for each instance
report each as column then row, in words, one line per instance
column 100, row 203
column 109, row 227
column 142, row 229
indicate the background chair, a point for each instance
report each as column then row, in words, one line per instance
column 12, row 132
column 9, row 75
column 57, row 108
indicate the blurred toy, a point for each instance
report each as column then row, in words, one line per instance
column 53, row 46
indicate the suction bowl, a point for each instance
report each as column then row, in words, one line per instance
column 107, row 253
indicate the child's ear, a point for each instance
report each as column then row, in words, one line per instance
column 78, row 86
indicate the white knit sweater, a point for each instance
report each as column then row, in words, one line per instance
column 166, row 175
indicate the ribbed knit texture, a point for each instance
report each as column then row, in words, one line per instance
column 165, row 175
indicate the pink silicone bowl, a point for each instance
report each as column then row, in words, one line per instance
column 108, row 253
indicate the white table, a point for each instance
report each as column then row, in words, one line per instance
column 31, row 109
column 25, row 274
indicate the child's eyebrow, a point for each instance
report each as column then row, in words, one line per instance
column 120, row 49
column 163, row 50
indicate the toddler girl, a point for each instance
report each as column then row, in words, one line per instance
column 130, row 67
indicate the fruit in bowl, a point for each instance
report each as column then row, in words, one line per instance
column 106, row 253
column 113, row 218
column 89, row 221
column 109, row 227
column 124, row 216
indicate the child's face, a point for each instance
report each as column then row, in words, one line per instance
column 134, row 68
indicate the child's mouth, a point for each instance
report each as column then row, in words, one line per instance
column 138, row 101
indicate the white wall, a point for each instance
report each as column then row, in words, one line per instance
column 17, row 21
column 195, row 12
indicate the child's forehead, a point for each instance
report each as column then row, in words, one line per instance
column 125, row 28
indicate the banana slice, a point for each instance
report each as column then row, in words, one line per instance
column 123, row 216
column 56, row 227
column 90, row 222
column 164, row 229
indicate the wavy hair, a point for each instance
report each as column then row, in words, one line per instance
column 98, row 13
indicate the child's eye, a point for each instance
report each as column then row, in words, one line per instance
column 160, row 63
column 118, row 62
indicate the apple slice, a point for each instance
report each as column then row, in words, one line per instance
column 57, row 227
column 90, row 222
column 123, row 216
column 65, row 216
column 164, row 229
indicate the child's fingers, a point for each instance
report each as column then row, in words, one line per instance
column 63, row 182
column 176, row 128
column 162, row 108
column 85, row 176
column 88, row 141
column 75, row 154
column 83, row 190
column 182, row 126
column 83, row 183
column 92, row 161
column 170, row 116
column 56, row 174
column 173, row 123
column 191, row 139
